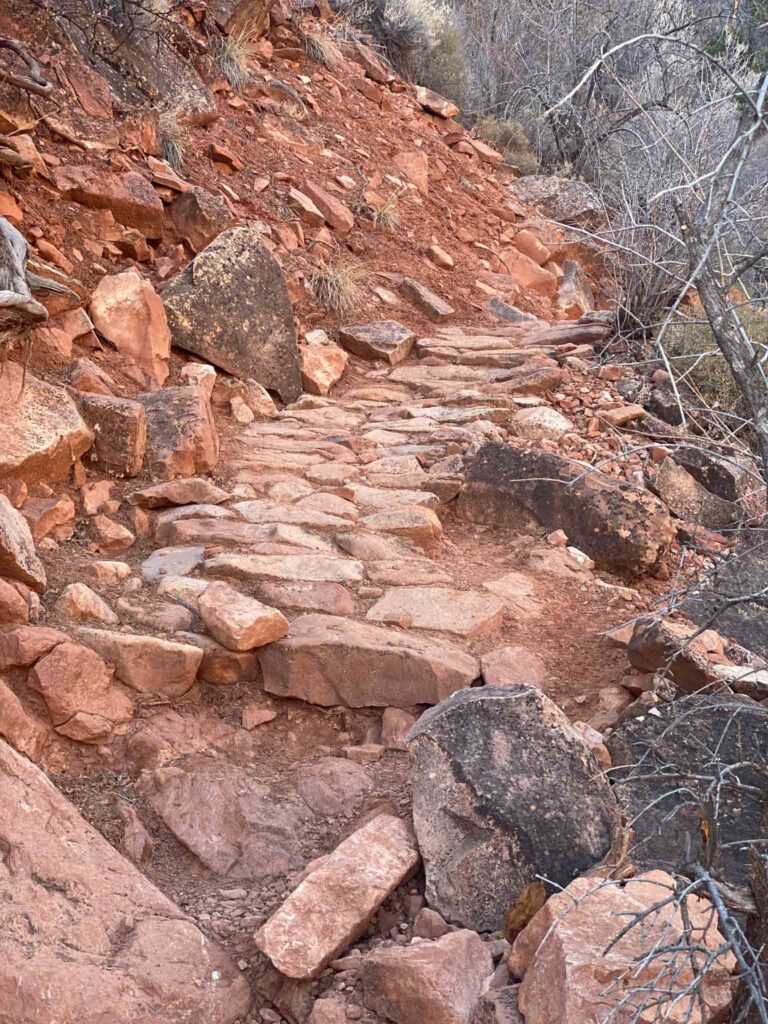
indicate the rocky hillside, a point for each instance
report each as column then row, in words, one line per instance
column 333, row 681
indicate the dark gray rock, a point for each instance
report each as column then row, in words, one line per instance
column 504, row 790
column 504, row 311
column 675, row 755
column 663, row 403
column 230, row 305
column 721, row 598
column 689, row 500
column 721, row 476
column 499, row 1007
column 617, row 525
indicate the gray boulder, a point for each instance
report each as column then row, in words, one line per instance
column 616, row 524
column 504, row 791
column 686, row 498
column 230, row 306
column 559, row 199
column 701, row 757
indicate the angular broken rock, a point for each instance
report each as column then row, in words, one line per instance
column 466, row 612
column 129, row 196
column 688, row 499
column 182, row 439
column 200, row 217
column 435, row 103
column 231, row 307
column 127, row 310
column 436, row 982
column 147, row 664
column 18, row 560
column 22, row 646
column 507, row 666
column 575, row 966
column 426, row 301
column 321, row 367
column 413, row 523
column 119, row 428
column 76, row 685
column 22, row 731
column 190, row 491
column 43, row 434
column 230, row 821
column 504, row 791
column 331, row 908
column 239, row 622
column 77, row 894
column 327, row 660
column 383, row 339
column 79, row 603
column 616, row 524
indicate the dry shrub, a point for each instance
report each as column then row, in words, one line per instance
column 509, row 138
column 696, row 358
column 338, row 286
column 386, row 217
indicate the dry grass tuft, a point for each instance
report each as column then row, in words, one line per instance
column 338, row 286
column 234, row 53
column 321, row 49
column 509, row 138
column 172, row 136
column 385, row 218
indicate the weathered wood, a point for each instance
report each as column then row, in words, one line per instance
column 17, row 306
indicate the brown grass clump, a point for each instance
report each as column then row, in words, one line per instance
column 321, row 49
column 172, row 138
column 338, row 286
column 509, row 138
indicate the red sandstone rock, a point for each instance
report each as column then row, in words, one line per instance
column 130, row 314
column 129, row 196
column 238, row 622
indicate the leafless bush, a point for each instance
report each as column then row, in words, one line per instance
column 509, row 138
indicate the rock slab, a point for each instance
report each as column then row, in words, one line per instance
column 332, row 906
column 328, row 660
column 231, row 306
column 504, row 790
column 86, row 937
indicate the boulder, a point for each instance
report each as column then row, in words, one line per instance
column 199, row 217
column 504, row 791
column 528, row 275
column 68, row 897
column 231, row 307
column 120, row 433
column 238, row 622
column 335, row 213
column 76, row 685
column 43, row 433
column 382, row 339
column 541, row 421
column 18, row 560
column 689, row 500
column 147, row 664
column 79, row 604
column 428, row 982
column 22, row 646
column 129, row 196
column 129, row 313
column 560, row 199
column 619, row 526
column 575, row 966
column 46, row 516
column 182, row 439
column 723, row 477
column 327, row 660
column 234, row 824
column 22, row 731
column 332, row 907
column 434, row 103
column 667, row 763
column 15, row 604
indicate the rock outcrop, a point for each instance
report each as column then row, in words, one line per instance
column 86, row 937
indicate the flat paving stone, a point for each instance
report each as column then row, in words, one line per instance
column 465, row 612
column 382, row 339
column 309, row 568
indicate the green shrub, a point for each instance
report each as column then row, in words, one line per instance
column 510, row 139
